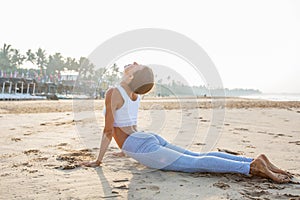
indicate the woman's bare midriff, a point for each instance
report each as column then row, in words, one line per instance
column 121, row 134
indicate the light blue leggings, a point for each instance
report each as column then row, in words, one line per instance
column 155, row 152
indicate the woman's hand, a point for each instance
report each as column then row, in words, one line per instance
column 94, row 163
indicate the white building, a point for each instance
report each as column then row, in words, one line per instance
column 68, row 75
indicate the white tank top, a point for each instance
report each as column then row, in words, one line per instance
column 128, row 113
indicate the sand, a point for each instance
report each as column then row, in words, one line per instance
column 42, row 142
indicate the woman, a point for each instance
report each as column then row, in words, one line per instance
column 152, row 150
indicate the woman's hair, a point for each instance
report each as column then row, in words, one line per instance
column 143, row 81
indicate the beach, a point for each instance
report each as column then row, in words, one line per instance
column 43, row 141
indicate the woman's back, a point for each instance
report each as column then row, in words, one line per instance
column 125, row 116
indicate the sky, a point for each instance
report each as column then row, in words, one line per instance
column 253, row 44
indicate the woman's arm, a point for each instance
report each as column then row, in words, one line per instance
column 111, row 106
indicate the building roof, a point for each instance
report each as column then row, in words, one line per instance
column 69, row 73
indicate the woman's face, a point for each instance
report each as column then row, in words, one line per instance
column 129, row 70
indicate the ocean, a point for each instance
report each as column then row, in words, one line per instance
column 274, row 97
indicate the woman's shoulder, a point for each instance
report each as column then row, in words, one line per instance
column 112, row 91
column 113, row 94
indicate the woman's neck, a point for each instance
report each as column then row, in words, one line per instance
column 128, row 90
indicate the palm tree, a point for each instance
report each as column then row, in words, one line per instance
column 99, row 75
column 91, row 71
column 5, row 57
column 84, row 67
column 41, row 60
column 30, row 56
column 17, row 59
column 74, row 65
column 55, row 63
column 113, row 75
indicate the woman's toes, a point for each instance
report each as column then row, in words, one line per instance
column 282, row 178
column 286, row 180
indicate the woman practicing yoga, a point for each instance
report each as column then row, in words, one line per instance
column 122, row 104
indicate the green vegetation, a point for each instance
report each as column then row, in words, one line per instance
column 178, row 89
column 51, row 66
column 91, row 80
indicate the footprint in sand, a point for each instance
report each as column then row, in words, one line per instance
column 62, row 144
column 25, row 164
column 32, row 151
column 76, row 155
column 230, row 151
column 241, row 129
column 254, row 193
column 245, row 141
column 5, row 174
column 282, row 135
column 67, row 167
column 39, row 159
column 28, row 133
column 30, row 171
column 123, row 187
column 120, row 180
column 57, row 123
column 221, row 185
column 199, row 144
column 204, row 120
column 73, row 158
column 292, row 196
column 295, row 142
column 16, row 139
column 149, row 187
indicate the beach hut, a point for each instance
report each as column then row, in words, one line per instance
column 30, row 85
column 17, row 85
column 68, row 79
column 6, row 85
column 68, row 86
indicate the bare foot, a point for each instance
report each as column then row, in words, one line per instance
column 272, row 167
column 259, row 167
column 119, row 154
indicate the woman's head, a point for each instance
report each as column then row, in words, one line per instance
column 139, row 78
